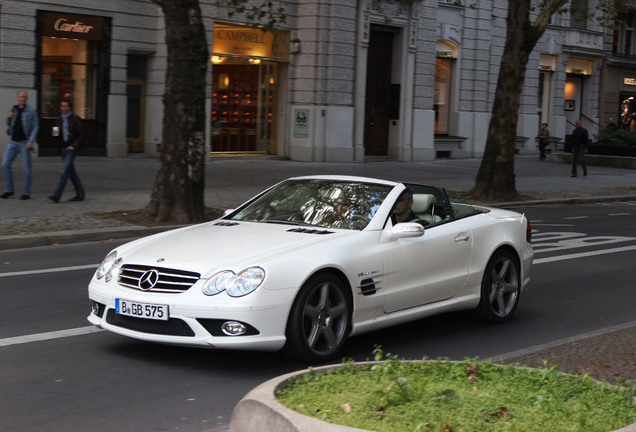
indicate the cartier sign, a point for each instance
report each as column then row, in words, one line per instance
column 73, row 26
column 77, row 27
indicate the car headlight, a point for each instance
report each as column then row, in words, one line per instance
column 109, row 266
column 236, row 285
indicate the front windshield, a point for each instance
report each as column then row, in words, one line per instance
column 323, row 203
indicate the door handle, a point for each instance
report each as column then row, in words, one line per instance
column 463, row 237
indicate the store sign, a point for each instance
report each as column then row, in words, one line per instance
column 238, row 40
column 71, row 26
column 301, row 123
column 629, row 81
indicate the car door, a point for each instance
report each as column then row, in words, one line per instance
column 427, row 269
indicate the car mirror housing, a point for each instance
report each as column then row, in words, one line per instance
column 405, row 230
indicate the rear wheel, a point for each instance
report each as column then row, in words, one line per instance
column 500, row 288
column 319, row 321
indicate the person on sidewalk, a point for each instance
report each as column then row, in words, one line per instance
column 23, row 129
column 579, row 147
column 69, row 133
column 544, row 140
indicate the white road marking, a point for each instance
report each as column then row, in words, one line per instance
column 48, row 336
column 551, row 224
column 619, row 214
column 50, row 270
column 583, row 254
column 576, row 217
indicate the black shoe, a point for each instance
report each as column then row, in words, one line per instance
column 6, row 194
column 76, row 198
column 25, row 197
column 54, row 199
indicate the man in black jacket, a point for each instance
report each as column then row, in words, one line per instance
column 68, row 130
column 579, row 147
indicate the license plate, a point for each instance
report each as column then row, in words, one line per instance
column 141, row 310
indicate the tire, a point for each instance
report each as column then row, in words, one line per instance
column 500, row 288
column 319, row 321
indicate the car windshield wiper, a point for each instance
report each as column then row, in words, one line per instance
column 288, row 222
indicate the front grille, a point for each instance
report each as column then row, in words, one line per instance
column 172, row 327
column 169, row 281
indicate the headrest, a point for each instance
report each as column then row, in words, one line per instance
column 422, row 202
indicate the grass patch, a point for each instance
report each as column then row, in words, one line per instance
column 445, row 396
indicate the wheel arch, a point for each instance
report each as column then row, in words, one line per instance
column 334, row 272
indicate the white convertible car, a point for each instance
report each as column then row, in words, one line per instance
column 312, row 261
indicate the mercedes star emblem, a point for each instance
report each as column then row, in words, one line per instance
column 148, row 280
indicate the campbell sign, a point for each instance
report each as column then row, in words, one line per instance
column 243, row 41
column 73, row 26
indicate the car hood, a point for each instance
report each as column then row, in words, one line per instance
column 213, row 246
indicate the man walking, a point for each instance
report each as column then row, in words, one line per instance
column 23, row 129
column 579, row 147
column 68, row 130
column 544, row 140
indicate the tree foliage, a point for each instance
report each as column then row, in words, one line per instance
column 264, row 14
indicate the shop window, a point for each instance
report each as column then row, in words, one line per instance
column 443, row 68
column 69, row 71
column 543, row 99
column 243, row 103
column 446, row 53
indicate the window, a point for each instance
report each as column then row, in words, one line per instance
column 579, row 16
column 69, row 71
column 624, row 36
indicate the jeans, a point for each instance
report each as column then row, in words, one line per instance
column 10, row 154
column 68, row 170
column 578, row 156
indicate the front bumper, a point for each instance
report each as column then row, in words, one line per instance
column 196, row 319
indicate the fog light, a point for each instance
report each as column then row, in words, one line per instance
column 233, row 328
column 97, row 309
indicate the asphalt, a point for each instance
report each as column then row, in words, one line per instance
column 125, row 184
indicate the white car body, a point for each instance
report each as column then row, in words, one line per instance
column 392, row 273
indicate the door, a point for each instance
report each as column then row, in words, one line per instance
column 427, row 269
column 134, row 116
column 378, row 94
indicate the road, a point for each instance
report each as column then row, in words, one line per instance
column 60, row 374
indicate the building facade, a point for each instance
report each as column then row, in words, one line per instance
column 345, row 81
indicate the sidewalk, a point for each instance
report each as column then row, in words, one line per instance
column 125, row 183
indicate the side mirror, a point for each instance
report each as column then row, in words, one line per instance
column 405, row 230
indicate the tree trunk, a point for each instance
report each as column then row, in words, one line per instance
column 177, row 194
column 495, row 180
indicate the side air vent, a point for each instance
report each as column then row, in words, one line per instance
column 309, row 231
column 223, row 223
column 367, row 287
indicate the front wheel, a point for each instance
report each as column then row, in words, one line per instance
column 319, row 320
column 500, row 288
